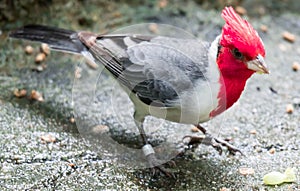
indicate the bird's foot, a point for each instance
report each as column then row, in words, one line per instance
column 155, row 164
column 207, row 139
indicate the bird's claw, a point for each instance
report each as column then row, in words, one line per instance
column 156, row 166
column 212, row 141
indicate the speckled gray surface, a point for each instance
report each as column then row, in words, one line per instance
column 72, row 164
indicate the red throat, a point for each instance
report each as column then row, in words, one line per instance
column 233, row 77
column 237, row 34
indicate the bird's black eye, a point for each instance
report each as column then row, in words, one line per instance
column 237, row 53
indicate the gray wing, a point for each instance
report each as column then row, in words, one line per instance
column 156, row 69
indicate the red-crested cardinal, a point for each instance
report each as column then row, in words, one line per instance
column 180, row 80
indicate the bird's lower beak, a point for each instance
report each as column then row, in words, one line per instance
column 258, row 65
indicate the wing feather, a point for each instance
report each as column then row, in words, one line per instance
column 157, row 69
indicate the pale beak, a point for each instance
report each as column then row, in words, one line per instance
column 258, row 65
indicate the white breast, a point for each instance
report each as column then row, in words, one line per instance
column 195, row 105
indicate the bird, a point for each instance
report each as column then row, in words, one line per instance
column 186, row 81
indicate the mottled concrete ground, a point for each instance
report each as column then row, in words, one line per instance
column 41, row 149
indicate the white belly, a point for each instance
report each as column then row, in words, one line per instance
column 195, row 105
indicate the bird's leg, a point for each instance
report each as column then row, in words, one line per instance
column 212, row 141
column 149, row 152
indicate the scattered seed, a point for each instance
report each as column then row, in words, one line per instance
column 100, row 129
column 48, row 138
column 240, row 10
column 35, row 95
column 296, row 66
column 246, row 171
column 72, row 165
column 289, row 108
column 45, row 48
column 91, row 64
column 20, row 93
column 288, row 36
column 153, row 28
column 272, row 150
column 224, row 189
column 194, row 129
column 264, row 28
column 253, row 131
column 78, row 72
column 28, row 49
column 162, row 3
column 116, row 15
column 40, row 57
column 72, row 120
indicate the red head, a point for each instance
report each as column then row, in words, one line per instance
column 241, row 53
column 238, row 33
column 241, row 45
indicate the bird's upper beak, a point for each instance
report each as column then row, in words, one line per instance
column 258, row 65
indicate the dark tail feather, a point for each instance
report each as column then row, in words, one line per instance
column 56, row 38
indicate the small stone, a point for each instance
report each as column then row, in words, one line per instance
column 296, row 66
column 272, row 150
column 236, row 129
column 195, row 129
column 45, row 48
column 253, row 131
column 48, row 138
column 40, row 57
column 240, row 10
column 20, row 93
column 153, row 28
column 39, row 68
column 28, row 49
column 288, row 36
column 35, row 95
column 289, row 108
column 246, row 171
column 264, row 28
